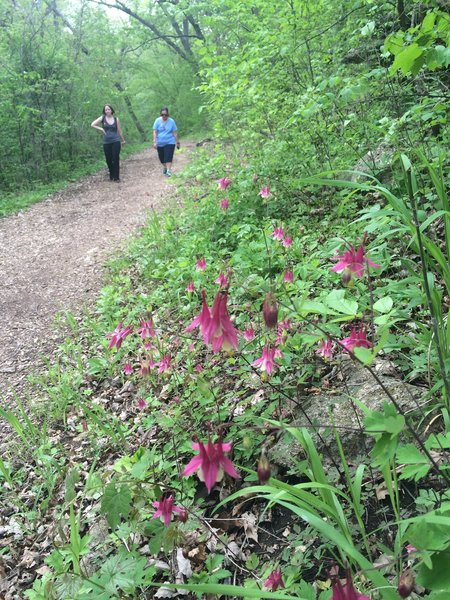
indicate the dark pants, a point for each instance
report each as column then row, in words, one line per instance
column 112, row 152
column 165, row 153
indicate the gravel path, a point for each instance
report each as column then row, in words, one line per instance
column 52, row 257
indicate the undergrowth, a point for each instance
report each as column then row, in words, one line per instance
column 318, row 289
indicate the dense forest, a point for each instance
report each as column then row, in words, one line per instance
column 284, row 335
column 318, row 84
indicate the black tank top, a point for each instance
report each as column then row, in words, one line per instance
column 111, row 133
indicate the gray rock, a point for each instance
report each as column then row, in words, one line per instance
column 319, row 412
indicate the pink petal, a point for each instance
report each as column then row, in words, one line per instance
column 193, row 465
column 229, row 468
column 209, row 473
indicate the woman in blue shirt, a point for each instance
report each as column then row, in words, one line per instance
column 165, row 137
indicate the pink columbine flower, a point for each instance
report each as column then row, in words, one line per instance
column 211, row 463
column 191, row 347
column 346, row 591
column 223, row 183
column 287, row 242
column 128, row 368
column 224, row 204
column 190, row 288
column 282, row 331
column 288, row 277
column 274, row 581
column 165, row 508
column 278, row 234
column 285, row 324
column 198, row 368
column 142, row 404
column 146, row 329
column 201, row 264
column 118, row 335
column 267, row 361
column 221, row 333
column 356, row 339
column 203, row 319
column 146, row 366
column 164, row 364
column 325, row 349
column 265, row 192
column 249, row 334
column 222, row 280
column 353, row 262
column 410, row 549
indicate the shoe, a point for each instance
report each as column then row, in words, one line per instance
column 117, row 180
column 168, row 173
column 165, row 171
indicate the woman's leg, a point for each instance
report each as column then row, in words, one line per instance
column 107, row 148
column 168, row 157
column 116, row 160
column 161, row 153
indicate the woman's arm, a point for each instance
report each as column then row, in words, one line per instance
column 119, row 130
column 175, row 133
column 95, row 124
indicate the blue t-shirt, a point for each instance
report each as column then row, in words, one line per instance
column 164, row 135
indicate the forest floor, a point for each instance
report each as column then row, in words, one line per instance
column 54, row 255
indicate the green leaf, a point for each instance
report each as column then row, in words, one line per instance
column 426, row 535
column 72, row 478
column 439, row 56
column 337, row 301
column 383, row 305
column 415, row 464
column 409, row 454
column 388, row 420
column 438, row 576
column 406, row 59
column 415, row 472
column 394, row 425
column 219, row 589
column 122, row 572
column 116, row 504
column 311, row 306
column 384, row 450
column 365, row 355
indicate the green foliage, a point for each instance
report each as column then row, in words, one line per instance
column 116, row 503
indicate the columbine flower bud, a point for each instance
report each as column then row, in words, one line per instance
column 270, row 311
column 347, row 278
column 183, row 515
column 263, row 469
column 405, row 583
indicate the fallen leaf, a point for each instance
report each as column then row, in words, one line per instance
column 184, row 564
column 381, row 491
column 249, row 524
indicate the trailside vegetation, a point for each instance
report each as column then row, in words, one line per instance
column 258, row 404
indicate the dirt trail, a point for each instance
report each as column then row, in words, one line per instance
column 52, row 257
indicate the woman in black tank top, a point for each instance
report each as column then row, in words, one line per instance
column 109, row 125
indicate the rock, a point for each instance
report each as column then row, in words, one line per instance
column 321, row 410
column 375, row 162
